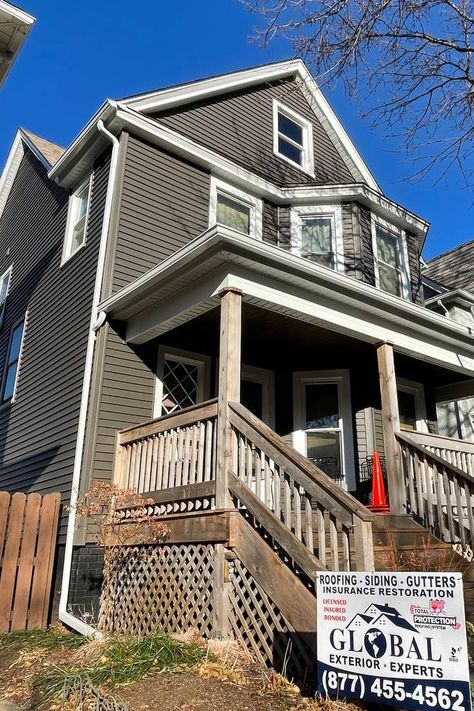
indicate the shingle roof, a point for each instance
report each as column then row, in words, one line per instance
column 454, row 269
column 50, row 151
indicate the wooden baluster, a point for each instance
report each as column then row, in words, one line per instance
column 287, row 501
column 194, row 447
column 333, row 538
column 258, row 472
column 419, row 487
column 149, row 461
column 411, row 478
column 167, row 460
column 208, row 452
column 470, row 464
column 469, row 495
column 460, row 514
column 267, row 484
column 179, row 458
column 346, row 558
column 201, row 447
column 133, row 472
column 249, row 464
column 321, row 535
column 309, row 540
column 449, row 508
column 277, row 491
column 242, row 456
column 159, row 466
column 429, row 491
column 297, row 510
column 439, row 517
column 125, row 482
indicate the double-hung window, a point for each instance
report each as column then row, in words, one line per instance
column 292, row 137
column 391, row 259
column 233, row 208
column 4, row 289
column 12, row 363
column 78, row 211
column 316, row 235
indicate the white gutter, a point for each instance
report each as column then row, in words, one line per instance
column 64, row 615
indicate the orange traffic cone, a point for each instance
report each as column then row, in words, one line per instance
column 379, row 501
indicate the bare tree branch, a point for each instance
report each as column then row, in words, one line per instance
column 410, row 61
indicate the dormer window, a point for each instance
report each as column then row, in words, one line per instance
column 292, row 138
column 76, row 228
column 233, row 208
column 391, row 259
column 316, row 235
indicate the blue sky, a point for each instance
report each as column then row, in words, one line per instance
column 80, row 53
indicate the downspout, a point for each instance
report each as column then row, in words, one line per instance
column 94, row 324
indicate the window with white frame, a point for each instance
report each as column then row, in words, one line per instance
column 182, row 380
column 234, row 208
column 391, row 258
column 78, row 211
column 316, row 235
column 292, row 137
column 12, row 363
column 4, row 289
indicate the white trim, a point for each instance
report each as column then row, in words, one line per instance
column 7, row 272
column 253, row 203
column 402, row 254
column 67, row 252
column 265, row 378
column 64, row 615
column 307, row 147
column 203, row 363
column 333, row 211
column 412, row 387
column 6, row 365
column 17, row 13
column 192, row 91
column 19, row 23
column 341, row 378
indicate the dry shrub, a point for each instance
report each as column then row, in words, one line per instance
column 222, row 672
column 323, row 703
column 276, row 684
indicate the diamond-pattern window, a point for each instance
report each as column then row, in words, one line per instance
column 180, row 385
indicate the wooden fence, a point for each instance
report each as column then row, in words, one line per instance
column 28, row 530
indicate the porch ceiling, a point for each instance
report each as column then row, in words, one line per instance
column 187, row 284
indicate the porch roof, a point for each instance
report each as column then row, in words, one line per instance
column 187, row 284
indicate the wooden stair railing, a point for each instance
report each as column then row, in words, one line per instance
column 457, row 452
column 438, row 494
column 176, row 450
column 317, row 513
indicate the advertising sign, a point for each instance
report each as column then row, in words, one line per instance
column 393, row 638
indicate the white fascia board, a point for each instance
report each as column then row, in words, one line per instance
column 155, row 132
column 13, row 163
column 461, row 296
column 16, row 13
column 82, row 142
column 199, row 90
column 10, row 170
column 452, row 338
column 195, row 90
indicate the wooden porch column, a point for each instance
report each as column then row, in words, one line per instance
column 391, row 425
column 229, row 391
column 229, row 385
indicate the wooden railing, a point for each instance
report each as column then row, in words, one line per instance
column 324, row 518
column 177, row 450
column 439, row 494
column 455, row 451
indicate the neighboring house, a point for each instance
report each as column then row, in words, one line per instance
column 115, row 256
column 15, row 26
column 449, row 289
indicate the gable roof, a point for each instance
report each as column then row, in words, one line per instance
column 454, row 269
column 181, row 94
column 45, row 151
column 15, row 25
column 80, row 154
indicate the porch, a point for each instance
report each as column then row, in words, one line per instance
column 270, row 471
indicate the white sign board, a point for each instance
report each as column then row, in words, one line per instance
column 393, row 638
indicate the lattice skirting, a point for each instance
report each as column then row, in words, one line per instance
column 166, row 587
column 259, row 625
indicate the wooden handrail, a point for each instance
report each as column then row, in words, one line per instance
column 441, row 442
column 187, row 416
column 304, row 472
column 405, row 437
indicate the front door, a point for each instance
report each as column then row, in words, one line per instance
column 323, row 423
column 257, row 392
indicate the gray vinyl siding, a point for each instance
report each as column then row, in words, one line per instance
column 239, row 126
column 38, row 431
column 164, row 205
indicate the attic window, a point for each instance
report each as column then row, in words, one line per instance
column 392, row 273
column 292, row 138
column 232, row 207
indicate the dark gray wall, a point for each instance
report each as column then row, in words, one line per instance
column 164, row 205
column 38, row 430
column 239, row 126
